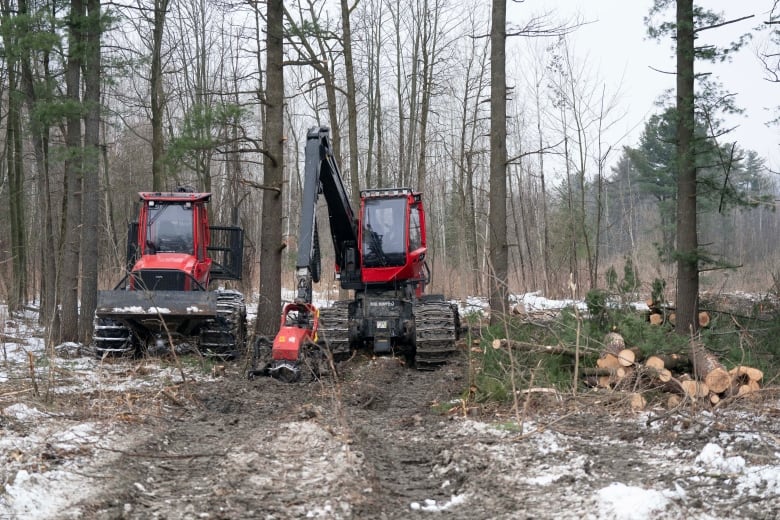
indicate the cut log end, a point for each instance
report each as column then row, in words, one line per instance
column 654, row 362
column 704, row 319
column 664, row 375
column 627, row 357
column 638, row 402
column 718, row 380
column 749, row 373
column 608, row 361
column 695, row 389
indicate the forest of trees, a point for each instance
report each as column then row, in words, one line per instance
column 101, row 100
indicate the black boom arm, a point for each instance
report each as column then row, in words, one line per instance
column 321, row 175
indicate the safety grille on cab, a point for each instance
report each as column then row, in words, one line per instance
column 161, row 280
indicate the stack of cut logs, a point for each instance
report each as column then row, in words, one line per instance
column 620, row 368
column 662, row 313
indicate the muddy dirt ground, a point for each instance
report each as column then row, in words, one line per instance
column 380, row 441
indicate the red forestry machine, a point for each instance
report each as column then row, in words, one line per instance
column 380, row 255
column 172, row 257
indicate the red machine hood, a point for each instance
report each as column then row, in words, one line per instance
column 174, row 261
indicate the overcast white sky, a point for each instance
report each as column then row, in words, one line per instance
column 616, row 43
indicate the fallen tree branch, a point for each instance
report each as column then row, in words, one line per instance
column 534, row 347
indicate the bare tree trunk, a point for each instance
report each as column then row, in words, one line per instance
column 13, row 153
column 400, row 80
column 430, row 38
column 497, row 217
column 349, row 70
column 69, row 276
column 573, row 263
column 544, row 225
column 600, row 199
column 269, row 305
column 91, row 209
column 40, row 140
column 687, row 239
column 472, row 218
column 412, row 100
column 471, row 223
column 521, row 219
column 116, row 240
column 581, row 138
column 380, row 143
column 157, row 96
column 15, row 161
column 372, row 91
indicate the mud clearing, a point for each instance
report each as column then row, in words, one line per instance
column 383, row 441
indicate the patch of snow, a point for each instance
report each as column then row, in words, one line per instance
column 137, row 309
column 32, row 490
column 533, row 301
column 22, row 412
column 547, row 442
column 30, row 494
column 621, row 502
column 470, row 428
column 543, row 480
column 83, row 433
column 432, row 506
column 132, row 309
column 763, row 481
column 713, row 456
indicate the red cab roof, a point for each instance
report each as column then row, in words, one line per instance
column 174, row 196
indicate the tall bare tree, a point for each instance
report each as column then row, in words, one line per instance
column 89, row 231
column 158, row 95
column 273, row 176
column 687, row 229
column 38, row 85
column 352, row 115
column 69, row 273
column 14, row 159
column 499, row 257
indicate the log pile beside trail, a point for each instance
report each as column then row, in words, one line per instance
column 697, row 375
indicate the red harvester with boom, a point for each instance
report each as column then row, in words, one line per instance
column 380, row 255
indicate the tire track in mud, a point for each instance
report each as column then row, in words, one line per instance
column 388, row 409
column 369, row 445
column 364, row 446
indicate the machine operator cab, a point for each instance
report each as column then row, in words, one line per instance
column 173, row 238
column 392, row 237
column 170, row 228
column 384, row 232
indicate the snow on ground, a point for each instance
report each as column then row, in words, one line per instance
column 49, row 457
column 621, row 502
column 46, row 455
